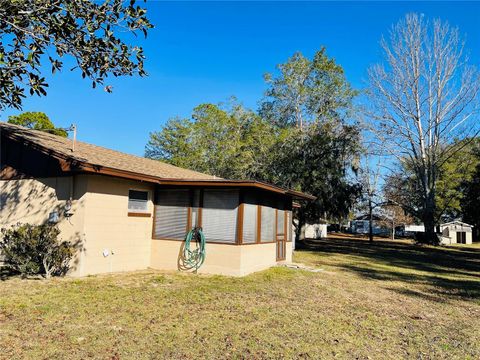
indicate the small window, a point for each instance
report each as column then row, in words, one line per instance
column 137, row 201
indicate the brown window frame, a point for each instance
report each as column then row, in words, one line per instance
column 189, row 218
column 274, row 240
column 240, row 220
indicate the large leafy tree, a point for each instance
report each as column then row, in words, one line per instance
column 34, row 33
column 36, row 121
column 470, row 200
column 227, row 142
column 455, row 172
column 306, row 90
column 317, row 160
column 310, row 99
column 298, row 140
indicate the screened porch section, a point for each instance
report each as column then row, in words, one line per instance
column 226, row 215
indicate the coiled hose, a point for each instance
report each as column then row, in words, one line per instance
column 194, row 258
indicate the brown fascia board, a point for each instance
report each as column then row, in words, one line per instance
column 80, row 165
column 193, row 182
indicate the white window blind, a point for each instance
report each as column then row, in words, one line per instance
column 249, row 223
column 219, row 215
column 137, row 200
column 268, row 224
column 171, row 214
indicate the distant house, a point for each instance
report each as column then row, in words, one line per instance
column 361, row 225
column 456, row 232
column 409, row 229
column 131, row 213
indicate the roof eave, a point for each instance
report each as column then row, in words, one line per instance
column 195, row 182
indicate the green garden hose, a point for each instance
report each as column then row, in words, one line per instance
column 194, row 258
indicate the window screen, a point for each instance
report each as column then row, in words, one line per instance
column 280, row 222
column 219, row 215
column 171, row 214
column 137, row 200
column 249, row 223
column 268, row 224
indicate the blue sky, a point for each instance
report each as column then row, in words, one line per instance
column 208, row 51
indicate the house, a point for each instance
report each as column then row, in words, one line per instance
column 456, row 232
column 361, row 225
column 409, row 230
column 129, row 213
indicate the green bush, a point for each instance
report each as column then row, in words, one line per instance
column 35, row 249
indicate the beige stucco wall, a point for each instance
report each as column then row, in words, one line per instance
column 261, row 256
column 32, row 200
column 220, row 259
column 289, row 257
column 224, row 259
column 109, row 229
column 99, row 222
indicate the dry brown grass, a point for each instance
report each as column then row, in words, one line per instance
column 382, row 300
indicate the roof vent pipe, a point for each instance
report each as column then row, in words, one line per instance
column 73, row 128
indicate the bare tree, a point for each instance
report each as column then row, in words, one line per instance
column 422, row 98
column 369, row 179
column 395, row 216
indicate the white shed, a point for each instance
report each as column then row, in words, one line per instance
column 456, row 232
column 315, row 231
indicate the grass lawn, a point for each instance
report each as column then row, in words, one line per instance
column 372, row 301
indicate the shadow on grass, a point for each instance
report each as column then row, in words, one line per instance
column 452, row 272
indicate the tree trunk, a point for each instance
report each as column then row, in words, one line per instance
column 429, row 221
column 300, row 227
column 370, row 221
column 430, row 234
column 47, row 269
column 393, row 227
